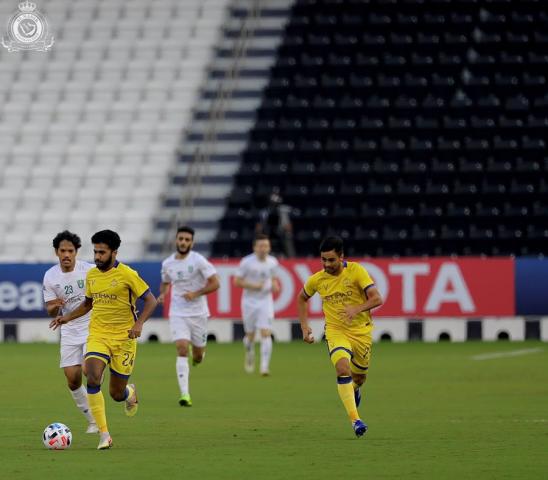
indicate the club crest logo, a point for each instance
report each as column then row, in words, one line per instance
column 28, row 29
column 80, row 284
column 190, row 269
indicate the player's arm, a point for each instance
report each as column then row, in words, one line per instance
column 276, row 285
column 240, row 282
column 302, row 308
column 150, row 304
column 373, row 300
column 52, row 301
column 211, row 285
column 79, row 311
column 164, row 287
column 53, row 307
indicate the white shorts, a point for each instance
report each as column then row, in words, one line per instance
column 257, row 317
column 193, row 329
column 72, row 355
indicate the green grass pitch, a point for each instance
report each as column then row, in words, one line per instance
column 432, row 410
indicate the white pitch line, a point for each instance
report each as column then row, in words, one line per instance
column 513, row 353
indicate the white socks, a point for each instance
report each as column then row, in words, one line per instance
column 248, row 345
column 266, row 352
column 183, row 374
column 81, row 399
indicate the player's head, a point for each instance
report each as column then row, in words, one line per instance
column 332, row 254
column 184, row 239
column 261, row 245
column 105, row 248
column 66, row 245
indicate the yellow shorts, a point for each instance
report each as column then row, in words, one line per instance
column 119, row 354
column 357, row 348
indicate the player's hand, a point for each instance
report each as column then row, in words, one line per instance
column 307, row 335
column 275, row 287
column 189, row 296
column 57, row 322
column 160, row 299
column 58, row 302
column 350, row 311
column 135, row 331
column 259, row 286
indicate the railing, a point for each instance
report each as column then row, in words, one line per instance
column 199, row 165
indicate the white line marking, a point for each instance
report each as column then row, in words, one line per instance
column 513, row 353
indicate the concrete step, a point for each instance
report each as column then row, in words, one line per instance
column 213, row 168
column 226, row 147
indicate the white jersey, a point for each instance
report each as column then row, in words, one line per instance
column 71, row 288
column 189, row 274
column 253, row 270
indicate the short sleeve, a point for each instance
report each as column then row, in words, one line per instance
column 207, row 268
column 165, row 274
column 47, row 290
column 363, row 278
column 310, row 287
column 88, row 289
column 240, row 271
column 136, row 284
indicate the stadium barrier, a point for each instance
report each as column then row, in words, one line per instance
column 425, row 299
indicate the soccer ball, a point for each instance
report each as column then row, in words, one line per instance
column 57, row 436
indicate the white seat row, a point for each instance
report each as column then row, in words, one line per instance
column 89, row 131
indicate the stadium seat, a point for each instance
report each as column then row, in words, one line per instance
column 433, row 116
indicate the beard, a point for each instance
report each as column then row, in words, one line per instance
column 104, row 265
column 182, row 250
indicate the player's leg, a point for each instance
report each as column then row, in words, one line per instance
column 95, row 363
column 121, row 366
column 340, row 353
column 183, row 371
column 198, row 335
column 361, row 346
column 264, row 325
column 180, row 333
column 249, row 320
column 266, row 351
column 72, row 358
column 78, row 392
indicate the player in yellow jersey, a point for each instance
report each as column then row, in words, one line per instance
column 348, row 294
column 112, row 289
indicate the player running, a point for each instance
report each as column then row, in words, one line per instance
column 191, row 278
column 256, row 275
column 112, row 289
column 348, row 294
column 64, row 289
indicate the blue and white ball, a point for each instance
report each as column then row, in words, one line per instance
column 57, row 436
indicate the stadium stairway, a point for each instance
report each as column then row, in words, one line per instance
column 89, row 130
column 224, row 113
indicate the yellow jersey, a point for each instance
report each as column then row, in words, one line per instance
column 347, row 288
column 114, row 294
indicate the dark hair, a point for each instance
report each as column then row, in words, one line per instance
column 185, row 229
column 69, row 237
column 332, row 243
column 260, row 236
column 112, row 239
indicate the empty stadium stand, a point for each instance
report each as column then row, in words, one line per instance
column 223, row 114
column 89, row 130
column 410, row 127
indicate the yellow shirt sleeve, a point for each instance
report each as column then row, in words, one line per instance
column 136, row 284
column 88, row 289
column 310, row 287
column 363, row 278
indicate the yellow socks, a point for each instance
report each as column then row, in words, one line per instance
column 97, row 407
column 346, row 392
